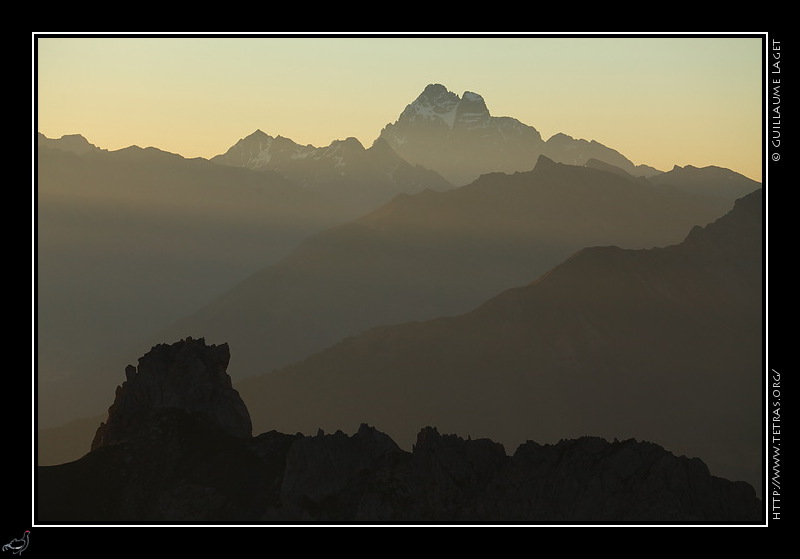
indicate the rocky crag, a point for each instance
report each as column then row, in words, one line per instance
column 189, row 376
column 177, row 448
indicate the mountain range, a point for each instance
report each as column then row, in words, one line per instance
column 418, row 257
column 436, row 254
column 284, row 250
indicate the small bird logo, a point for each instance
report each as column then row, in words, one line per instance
column 17, row 546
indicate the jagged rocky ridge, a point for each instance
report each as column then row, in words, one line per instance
column 182, row 459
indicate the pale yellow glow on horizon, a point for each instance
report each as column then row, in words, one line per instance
column 658, row 101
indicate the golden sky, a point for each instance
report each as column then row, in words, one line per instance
column 660, row 101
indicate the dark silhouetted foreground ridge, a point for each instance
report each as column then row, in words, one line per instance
column 176, row 448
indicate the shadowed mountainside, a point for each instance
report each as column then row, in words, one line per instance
column 437, row 254
column 662, row 344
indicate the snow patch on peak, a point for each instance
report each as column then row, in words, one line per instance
column 434, row 103
column 472, row 97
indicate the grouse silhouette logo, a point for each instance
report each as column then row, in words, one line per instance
column 17, row 546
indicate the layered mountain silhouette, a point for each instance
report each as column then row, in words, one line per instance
column 133, row 239
column 177, row 447
column 459, row 138
column 129, row 241
column 707, row 181
column 663, row 344
column 436, row 254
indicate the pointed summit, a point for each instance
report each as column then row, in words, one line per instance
column 260, row 151
column 350, row 142
column 544, row 162
column 435, row 103
column 341, row 151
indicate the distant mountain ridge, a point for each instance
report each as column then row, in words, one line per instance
column 453, row 137
column 566, row 149
column 345, row 168
column 707, row 181
column 74, row 143
column 436, row 254
column 439, row 140
column 710, row 181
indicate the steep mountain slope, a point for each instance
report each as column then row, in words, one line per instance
column 662, row 344
column 436, row 254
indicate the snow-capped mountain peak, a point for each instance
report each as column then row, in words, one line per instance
column 259, row 150
column 438, row 105
column 434, row 103
column 456, row 136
